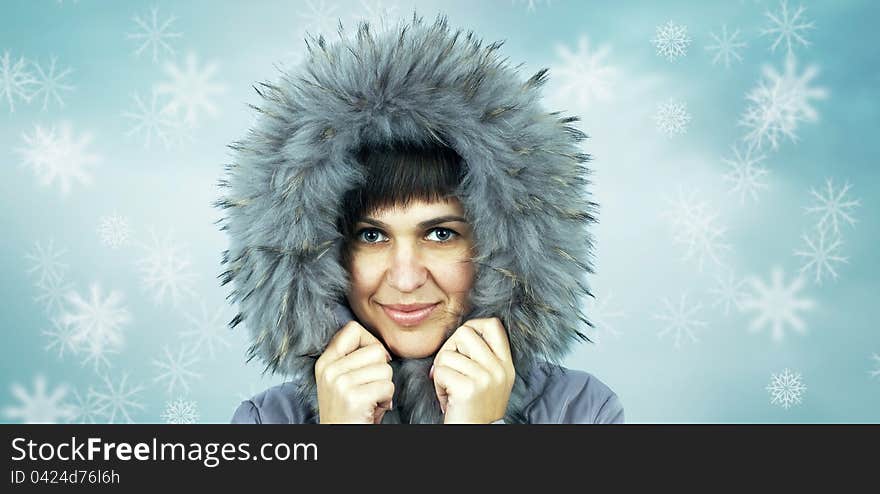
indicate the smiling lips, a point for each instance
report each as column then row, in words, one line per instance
column 408, row 315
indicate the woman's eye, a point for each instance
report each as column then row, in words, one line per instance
column 443, row 234
column 369, row 235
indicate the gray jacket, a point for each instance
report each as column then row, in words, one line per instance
column 524, row 192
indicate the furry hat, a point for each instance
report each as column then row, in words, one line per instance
column 524, row 194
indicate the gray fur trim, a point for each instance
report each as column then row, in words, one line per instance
column 524, row 193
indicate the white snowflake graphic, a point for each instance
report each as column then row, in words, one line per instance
column 680, row 320
column 779, row 103
column 376, row 12
column 191, row 89
column 180, row 411
column 153, row 34
column 53, row 291
column 318, row 18
column 695, row 225
column 786, row 389
column 165, row 270
column 876, row 371
column 46, row 262
column 726, row 47
column 98, row 322
column 672, row 117
column 746, row 175
column 601, row 313
column 156, row 123
column 777, row 304
column 62, row 337
column 40, row 407
column 50, row 84
column 834, row 206
column 15, row 80
column 176, row 368
column 116, row 400
column 585, row 75
column 728, row 291
column 671, row 41
column 207, row 331
column 821, row 254
column 114, row 231
column 84, row 409
column 788, row 27
column 56, row 154
column 531, row 4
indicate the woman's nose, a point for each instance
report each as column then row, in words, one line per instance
column 407, row 271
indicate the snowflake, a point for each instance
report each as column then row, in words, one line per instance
column 156, row 123
column 116, row 400
column 54, row 154
column 180, row 411
column 15, row 80
column 671, row 41
column 39, row 407
column 165, row 271
column 84, row 409
column 530, row 4
column 319, row 17
column 53, row 291
column 207, row 331
column 695, row 225
column 95, row 354
column 876, row 372
column 777, row 305
column 50, row 84
column 191, row 89
column 820, row 254
column 786, row 389
column 114, row 231
column 46, row 261
column 728, row 291
column 98, row 322
column 62, row 337
column 680, row 320
column 601, row 316
column 834, row 206
column 779, row 103
column 176, row 368
column 672, row 117
column 376, row 12
column 153, row 34
column 726, row 47
column 584, row 75
column 745, row 175
column 788, row 27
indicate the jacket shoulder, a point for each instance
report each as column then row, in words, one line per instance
column 276, row 405
column 570, row 396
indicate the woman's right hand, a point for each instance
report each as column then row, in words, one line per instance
column 354, row 378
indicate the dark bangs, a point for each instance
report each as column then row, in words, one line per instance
column 397, row 176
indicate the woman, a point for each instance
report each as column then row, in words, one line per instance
column 409, row 239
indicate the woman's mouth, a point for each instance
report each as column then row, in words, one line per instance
column 409, row 318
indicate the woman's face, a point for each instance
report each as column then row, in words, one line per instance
column 417, row 255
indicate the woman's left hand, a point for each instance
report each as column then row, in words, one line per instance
column 473, row 373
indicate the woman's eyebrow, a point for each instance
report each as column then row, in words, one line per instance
column 423, row 224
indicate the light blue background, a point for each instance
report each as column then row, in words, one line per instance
column 722, row 377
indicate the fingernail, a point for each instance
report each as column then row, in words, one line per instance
column 431, row 372
column 391, row 405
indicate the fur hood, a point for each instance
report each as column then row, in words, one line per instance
column 524, row 193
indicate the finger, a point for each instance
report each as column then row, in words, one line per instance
column 351, row 337
column 495, row 334
column 377, row 391
column 362, row 357
column 462, row 364
column 448, row 381
column 370, row 373
column 470, row 344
